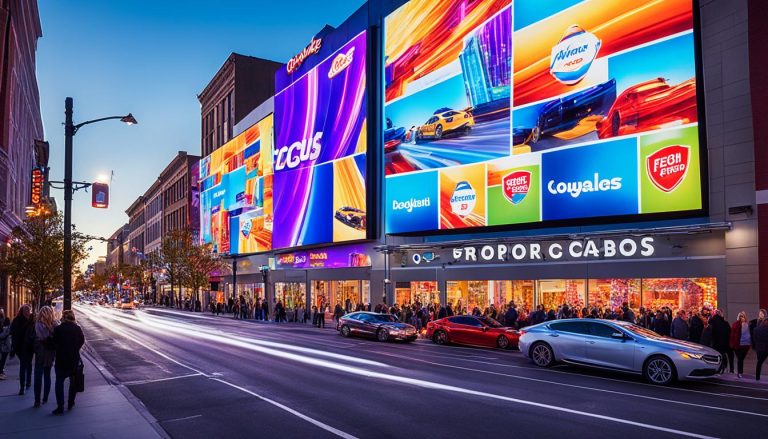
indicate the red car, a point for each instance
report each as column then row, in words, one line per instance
column 648, row 106
column 470, row 330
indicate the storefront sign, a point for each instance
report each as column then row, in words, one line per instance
column 553, row 251
column 311, row 49
column 38, row 182
column 337, row 257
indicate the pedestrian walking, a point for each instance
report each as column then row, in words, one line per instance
column 754, row 323
column 721, row 340
column 741, row 341
column 695, row 327
column 44, row 353
column 760, row 339
column 5, row 341
column 679, row 328
column 22, row 341
column 68, row 338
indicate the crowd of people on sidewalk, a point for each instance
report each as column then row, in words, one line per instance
column 42, row 344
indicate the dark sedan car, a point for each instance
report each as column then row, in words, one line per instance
column 383, row 327
column 565, row 113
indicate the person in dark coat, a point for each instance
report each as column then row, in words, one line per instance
column 721, row 340
column 5, row 341
column 511, row 315
column 696, row 327
column 679, row 328
column 23, row 345
column 539, row 315
column 68, row 338
column 44, row 353
column 760, row 339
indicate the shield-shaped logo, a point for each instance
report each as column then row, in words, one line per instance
column 668, row 166
column 515, row 186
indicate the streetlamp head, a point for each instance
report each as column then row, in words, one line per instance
column 129, row 119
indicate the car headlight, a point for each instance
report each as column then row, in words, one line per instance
column 690, row 355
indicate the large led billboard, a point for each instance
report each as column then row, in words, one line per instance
column 320, row 152
column 503, row 112
column 236, row 212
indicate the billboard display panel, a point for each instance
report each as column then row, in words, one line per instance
column 320, row 152
column 236, row 209
column 523, row 112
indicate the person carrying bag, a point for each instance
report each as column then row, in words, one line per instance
column 68, row 338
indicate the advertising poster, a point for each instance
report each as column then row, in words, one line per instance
column 568, row 109
column 462, row 197
column 319, row 157
column 236, row 213
column 333, row 257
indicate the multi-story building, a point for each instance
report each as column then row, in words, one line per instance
column 21, row 125
column 137, row 226
column 118, row 247
column 240, row 85
column 180, row 194
column 153, row 218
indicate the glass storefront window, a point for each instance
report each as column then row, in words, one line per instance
column 425, row 292
column 555, row 293
column 503, row 292
column 366, row 299
column 464, row 296
column 613, row 293
column 290, row 293
column 251, row 292
column 680, row 293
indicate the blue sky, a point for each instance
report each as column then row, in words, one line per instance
column 150, row 58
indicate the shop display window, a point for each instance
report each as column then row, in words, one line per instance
column 555, row 293
column 613, row 293
column 464, row 296
column 290, row 293
column 680, row 293
column 519, row 291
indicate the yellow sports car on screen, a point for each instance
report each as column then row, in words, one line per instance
column 446, row 121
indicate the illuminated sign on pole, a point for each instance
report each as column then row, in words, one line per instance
column 38, row 182
column 100, row 195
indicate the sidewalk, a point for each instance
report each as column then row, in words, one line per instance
column 102, row 411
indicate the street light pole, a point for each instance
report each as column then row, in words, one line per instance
column 69, row 132
column 70, row 129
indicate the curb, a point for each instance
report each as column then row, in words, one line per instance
column 92, row 356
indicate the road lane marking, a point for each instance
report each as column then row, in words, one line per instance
column 576, row 386
column 140, row 382
column 309, row 419
column 182, row 419
column 429, row 385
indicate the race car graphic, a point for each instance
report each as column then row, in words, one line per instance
column 393, row 136
column 565, row 113
column 351, row 217
column 648, row 106
column 446, row 121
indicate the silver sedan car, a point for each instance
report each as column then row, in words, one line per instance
column 619, row 346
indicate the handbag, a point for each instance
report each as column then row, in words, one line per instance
column 78, row 378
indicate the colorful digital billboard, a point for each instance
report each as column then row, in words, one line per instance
column 320, row 152
column 236, row 211
column 521, row 111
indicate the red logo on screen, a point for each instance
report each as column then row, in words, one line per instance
column 667, row 167
column 515, row 186
column 341, row 62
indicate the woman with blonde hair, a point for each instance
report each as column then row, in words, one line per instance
column 44, row 352
column 741, row 340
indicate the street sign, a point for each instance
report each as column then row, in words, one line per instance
column 100, row 195
column 38, row 183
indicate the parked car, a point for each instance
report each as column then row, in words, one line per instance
column 383, row 327
column 648, row 106
column 470, row 330
column 393, row 136
column 446, row 121
column 565, row 113
column 619, row 346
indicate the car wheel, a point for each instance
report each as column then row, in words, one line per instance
column 345, row 331
column 659, row 370
column 615, row 124
column 382, row 335
column 502, row 342
column 438, row 132
column 535, row 134
column 440, row 337
column 542, row 355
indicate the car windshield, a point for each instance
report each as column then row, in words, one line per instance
column 383, row 318
column 639, row 330
column 490, row 322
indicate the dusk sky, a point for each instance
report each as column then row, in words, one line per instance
column 150, row 58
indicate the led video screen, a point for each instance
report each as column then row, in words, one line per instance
column 320, row 152
column 236, row 213
column 502, row 112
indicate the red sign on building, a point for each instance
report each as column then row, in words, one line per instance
column 38, row 183
column 100, row 195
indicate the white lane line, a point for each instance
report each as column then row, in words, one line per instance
column 139, row 382
column 183, row 419
column 311, row 420
column 428, row 385
column 576, row 386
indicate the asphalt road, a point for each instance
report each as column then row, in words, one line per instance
column 204, row 376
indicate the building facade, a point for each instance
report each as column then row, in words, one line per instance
column 137, row 226
column 581, row 254
column 21, row 125
column 240, row 85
